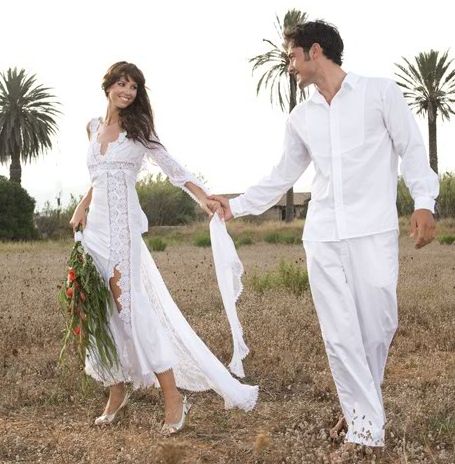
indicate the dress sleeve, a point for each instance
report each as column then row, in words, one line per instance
column 157, row 154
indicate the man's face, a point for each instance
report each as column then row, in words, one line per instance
column 301, row 66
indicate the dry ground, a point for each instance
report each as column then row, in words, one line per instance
column 46, row 417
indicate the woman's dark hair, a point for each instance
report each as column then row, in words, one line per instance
column 137, row 118
column 326, row 35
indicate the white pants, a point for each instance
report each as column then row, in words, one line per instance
column 353, row 284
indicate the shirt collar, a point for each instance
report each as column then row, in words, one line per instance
column 349, row 81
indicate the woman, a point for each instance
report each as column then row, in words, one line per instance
column 154, row 342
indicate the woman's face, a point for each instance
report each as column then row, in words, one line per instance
column 122, row 93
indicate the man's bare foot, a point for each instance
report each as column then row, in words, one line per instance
column 116, row 396
column 340, row 426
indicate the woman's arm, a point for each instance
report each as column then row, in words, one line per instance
column 79, row 215
column 208, row 205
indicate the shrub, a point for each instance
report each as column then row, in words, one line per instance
column 202, row 240
column 164, row 204
column 288, row 275
column 53, row 223
column 243, row 240
column 16, row 212
column 446, row 239
column 157, row 244
column 446, row 198
column 283, row 237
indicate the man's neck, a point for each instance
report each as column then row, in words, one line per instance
column 329, row 82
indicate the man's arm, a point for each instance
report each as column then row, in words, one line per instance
column 420, row 179
column 269, row 190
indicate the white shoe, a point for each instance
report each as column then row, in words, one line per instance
column 170, row 429
column 107, row 419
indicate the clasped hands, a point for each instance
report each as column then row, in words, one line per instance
column 218, row 204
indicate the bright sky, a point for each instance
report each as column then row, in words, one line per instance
column 195, row 55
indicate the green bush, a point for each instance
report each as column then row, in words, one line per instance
column 53, row 223
column 164, row 204
column 16, row 212
column 202, row 240
column 446, row 198
column 243, row 240
column 446, row 239
column 405, row 203
column 288, row 275
column 282, row 237
column 157, row 244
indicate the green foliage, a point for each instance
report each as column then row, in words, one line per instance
column 243, row 240
column 164, row 204
column 16, row 212
column 27, row 119
column 287, row 238
column 405, row 203
column 288, row 275
column 157, row 244
column 53, row 223
column 446, row 239
column 84, row 299
column 202, row 240
column 446, row 198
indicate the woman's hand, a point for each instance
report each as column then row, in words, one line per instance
column 211, row 207
column 79, row 217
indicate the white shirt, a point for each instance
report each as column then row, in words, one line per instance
column 354, row 144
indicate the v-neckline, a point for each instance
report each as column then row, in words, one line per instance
column 109, row 144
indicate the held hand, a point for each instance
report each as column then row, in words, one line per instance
column 423, row 227
column 211, row 207
column 224, row 205
column 79, row 217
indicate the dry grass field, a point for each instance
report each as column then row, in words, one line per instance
column 46, row 417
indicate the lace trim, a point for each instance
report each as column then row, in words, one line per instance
column 97, row 168
column 120, row 239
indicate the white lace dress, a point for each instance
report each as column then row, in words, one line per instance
column 150, row 332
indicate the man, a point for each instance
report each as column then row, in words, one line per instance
column 354, row 129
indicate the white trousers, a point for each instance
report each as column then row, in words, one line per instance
column 353, row 283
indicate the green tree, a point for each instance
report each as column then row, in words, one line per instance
column 16, row 212
column 27, row 120
column 429, row 85
column 276, row 78
column 163, row 203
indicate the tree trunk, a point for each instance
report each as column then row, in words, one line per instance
column 15, row 169
column 432, row 141
column 290, row 192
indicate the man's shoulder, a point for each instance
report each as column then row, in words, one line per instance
column 379, row 83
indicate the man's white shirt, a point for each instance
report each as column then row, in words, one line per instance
column 355, row 144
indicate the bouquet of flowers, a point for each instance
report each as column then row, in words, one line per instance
column 85, row 302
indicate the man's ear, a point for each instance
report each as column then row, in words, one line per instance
column 315, row 51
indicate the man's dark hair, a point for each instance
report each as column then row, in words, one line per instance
column 326, row 35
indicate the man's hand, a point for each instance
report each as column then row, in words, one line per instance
column 224, row 205
column 211, row 207
column 423, row 227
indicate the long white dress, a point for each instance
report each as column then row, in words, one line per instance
column 150, row 332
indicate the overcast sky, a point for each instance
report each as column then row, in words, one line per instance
column 195, row 55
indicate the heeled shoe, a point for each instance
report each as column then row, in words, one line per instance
column 108, row 419
column 170, row 429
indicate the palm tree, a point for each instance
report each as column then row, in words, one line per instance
column 430, row 88
column 282, row 85
column 27, row 121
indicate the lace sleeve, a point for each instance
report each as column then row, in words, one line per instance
column 176, row 173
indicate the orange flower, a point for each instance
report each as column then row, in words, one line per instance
column 69, row 292
column 77, row 330
column 71, row 275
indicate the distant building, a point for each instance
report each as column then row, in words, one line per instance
column 278, row 211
